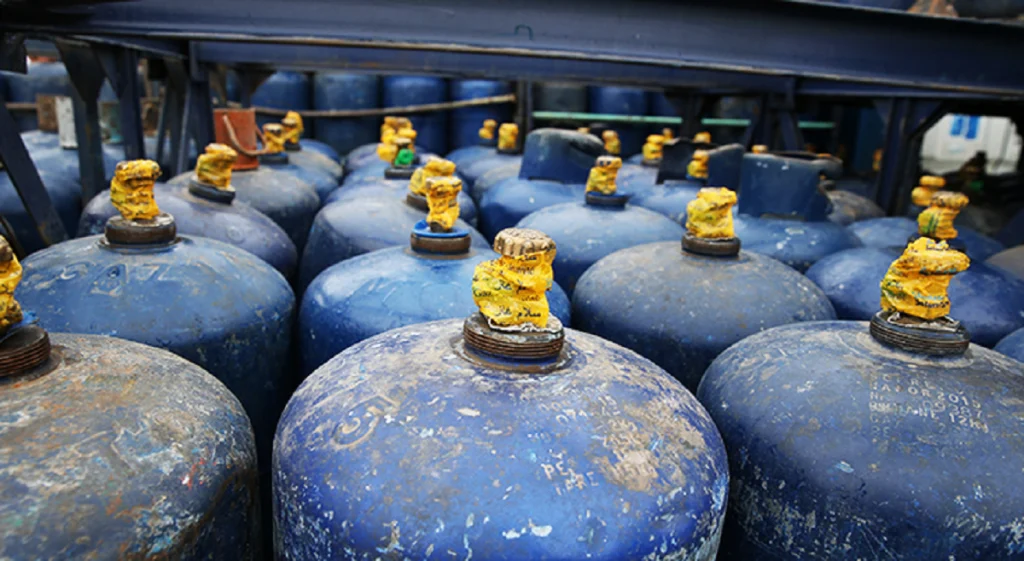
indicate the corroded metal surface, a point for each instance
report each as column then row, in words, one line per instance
column 398, row 448
column 842, row 448
column 121, row 451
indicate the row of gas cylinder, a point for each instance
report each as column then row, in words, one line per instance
column 712, row 396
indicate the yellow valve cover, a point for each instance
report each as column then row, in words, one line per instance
column 511, row 290
column 929, row 184
column 917, row 282
column 293, row 127
column 698, row 166
column 652, row 148
column 10, row 276
column 709, row 216
column 486, row 132
column 435, row 167
column 612, row 144
column 131, row 190
column 936, row 221
column 213, row 167
column 273, row 138
column 443, row 202
column 508, row 135
column 603, row 174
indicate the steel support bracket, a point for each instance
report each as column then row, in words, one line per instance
column 692, row 106
column 25, row 177
column 87, row 77
column 13, row 52
column 122, row 68
column 906, row 121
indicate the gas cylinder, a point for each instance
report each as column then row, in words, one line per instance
column 1013, row 345
column 681, row 308
column 508, row 152
column 394, row 287
column 46, row 78
column 275, row 157
column 849, row 440
column 341, row 90
column 783, row 211
column 305, row 152
column 359, row 225
column 990, row 302
column 560, row 96
column 1010, row 260
column 555, row 167
column 99, row 430
column 206, row 207
column 486, row 142
column 284, row 198
column 617, row 100
column 575, row 448
column 284, row 89
column 492, row 177
column 847, row 207
column 935, row 221
column 433, row 167
column 686, row 167
column 586, row 232
column 464, row 123
column 209, row 302
column 401, row 91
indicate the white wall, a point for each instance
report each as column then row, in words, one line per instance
column 955, row 138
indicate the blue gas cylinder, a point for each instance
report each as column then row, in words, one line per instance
column 783, row 211
column 894, row 231
column 390, row 288
column 555, row 167
column 351, row 227
column 675, row 186
column 305, row 152
column 507, row 152
column 492, row 177
column 1012, row 233
column 65, row 194
column 1012, row 345
column 283, row 197
column 99, row 431
column 397, row 188
column 681, row 307
column 400, row 91
column 342, row 90
column 485, row 145
column 214, row 304
column 1010, row 260
column 617, row 100
column 284, row 89
column 602, row 224
column 848, row 207
column 464, row 123
column 987, row 300
column 369, row 165
column 47, row 78
column 571, row 444
column 296, row 164
column 848, row 442
column 200, row 208
column 641, row 170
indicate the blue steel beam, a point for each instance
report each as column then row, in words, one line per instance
column 751, row 37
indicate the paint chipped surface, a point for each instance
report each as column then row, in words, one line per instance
column 608, row 458
column 124, row 452
column 885, row 442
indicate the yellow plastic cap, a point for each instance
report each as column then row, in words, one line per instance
column 612, row 144
column 131, row 189
column 508, row 136
column 443, row 202
column 293, row 127
column 273, row 138
column 709, row 216
column 703, row 137
column 759, row 149
column 434, row 167
column 603, row 174
column 511, row 291
column 936, row 221
column 10, row 276
column 933, row 181
column 698, row 166
column 917, row 283
column 486, row 132
column 213, row 167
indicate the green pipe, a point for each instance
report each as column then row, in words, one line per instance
column 656, row 120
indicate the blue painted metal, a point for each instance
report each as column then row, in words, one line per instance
column 340, row 90
column 1013, row 345
column 560, row 96
column 209, row 302
column 233, row 222
column 369, row 166
column 668, row 189
column 348, row 228
column 285, row 199
column 617, row 100
column 486, row 422
column 494, row 176
column 396, row 188
column 822, row 423
column 1010, row 260
column 585, row 233
column 554, row 169
column 465, row 123
column 783, row 211
column 387, row 289
column 988, row 301
column 41, row 78
column 474, row 170
column 848, row 207
column 896, row 231
column 681, row 310
column 313, row 173
column 431, row 128
column 322, row 148
column 64, row 194
column 119, row 429
column 285, row 89
column 1013, row 232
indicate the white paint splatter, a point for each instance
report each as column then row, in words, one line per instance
column 844, row 467
column 468, row 412
column 541, row 531
column 511, row 534
column 469, row 520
